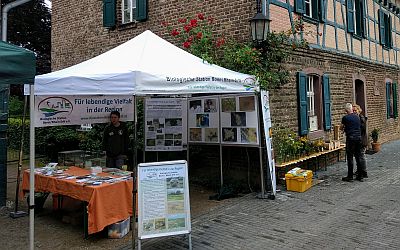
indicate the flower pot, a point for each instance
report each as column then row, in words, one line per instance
column 376, row 146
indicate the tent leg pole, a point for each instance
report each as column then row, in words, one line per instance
column 32, row 169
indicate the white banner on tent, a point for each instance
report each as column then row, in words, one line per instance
column 268, row 137
column 77, row 110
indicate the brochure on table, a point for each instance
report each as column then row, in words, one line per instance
column 165, row 123
column 163, row 199
column 203, row 119
column 239, row 120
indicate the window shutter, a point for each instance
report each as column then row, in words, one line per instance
column 388, row 100
column 302, row 102
column 364, row 19
column 322, row 11
column 315, row 9
column 389, row 30
column 141, row 10
column 381, row 19
column 395, row 112
column 109, row 13
column 350, row 16
column 300, row 6
column 327, row 102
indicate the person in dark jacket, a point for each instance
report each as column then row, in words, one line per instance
column 364, row 140
column 115, row 141
column 351, row 125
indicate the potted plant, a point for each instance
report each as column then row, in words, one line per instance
column 376, row 146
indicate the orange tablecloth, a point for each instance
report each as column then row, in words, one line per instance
column 107, row 203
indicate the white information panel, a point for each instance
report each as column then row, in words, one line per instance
column 239, row 120
column 203, row 119
column 163, row 199
column 165, row 123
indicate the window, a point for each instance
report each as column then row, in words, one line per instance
column 356, row 17
column 128, row 11
column 385, row 29
column 314, row 9
column 314, row 103
column 391, row 100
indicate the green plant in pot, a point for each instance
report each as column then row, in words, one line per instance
column 376, row 146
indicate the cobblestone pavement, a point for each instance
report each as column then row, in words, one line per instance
column 330, row 215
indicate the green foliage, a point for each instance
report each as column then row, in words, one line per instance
column 375, row 134
column 15, row 106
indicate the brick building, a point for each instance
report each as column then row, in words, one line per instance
column 354, row 54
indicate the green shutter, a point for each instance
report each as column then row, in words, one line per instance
column 389, row 31
column 326, row 92
column 302, row 102
column 350, row 16
column 322, row 10
column 300, row 6
column 388, row 100
column 109, row 13
column 381, row 19
column 141, row 10
column 315, row 9
column 364, row 18
column 395, row 112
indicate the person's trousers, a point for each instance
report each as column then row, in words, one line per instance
column 363, row 161
column 353, row 149
column 115, row 162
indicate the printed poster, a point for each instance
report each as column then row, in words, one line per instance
column 163, row 199
column 203, row 119
column 164, row 124
column 77, row 110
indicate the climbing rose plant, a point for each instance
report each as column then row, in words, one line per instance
column 266, row 62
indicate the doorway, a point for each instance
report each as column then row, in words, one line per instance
column 360, row 95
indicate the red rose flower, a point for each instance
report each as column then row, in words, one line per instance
column 174, row 32
column 190, row 39
column 193, row 23
column 200, row 16
column 186, row 45
column 182, row 20
column 187, row 28
column 220, row 42
column 199, row 35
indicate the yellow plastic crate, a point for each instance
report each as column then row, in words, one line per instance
column 299, row 183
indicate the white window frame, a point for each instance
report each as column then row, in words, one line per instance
column 310, row 95
column 355, row 16
column 131, row 10
column 309, row 4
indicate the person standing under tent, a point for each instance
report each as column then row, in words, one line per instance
column 351, row 125
column 115, row 141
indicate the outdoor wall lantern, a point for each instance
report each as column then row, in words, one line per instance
column 259, row 25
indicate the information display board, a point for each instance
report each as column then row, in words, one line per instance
column 165, row 124
column 203, row 119
column 239, row 120
column 163, row 199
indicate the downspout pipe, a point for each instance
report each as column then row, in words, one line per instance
column 4, row 17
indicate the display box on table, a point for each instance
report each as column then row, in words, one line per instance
column 119, row 229
column 299, row 181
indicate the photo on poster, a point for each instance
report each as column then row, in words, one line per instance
column 211, row 134
column 169, row 143
column 195, row 106
column 248, row 135
column 202, row 120
column 160, row 142
column 161, row 125
column 150, row 128
column 160, row 131
column 160, row 137
column 148, row 225
column 176, row 222
column 228, row 104
column 149, row 123
column 150, row 142
column 247, row 103
column 159, row 224
column 173, row 122
column 176, row 207
column 175, row 182
column 175, row 194
column 169, row 136
column 195, row 134
column 229, row 134
column 238, row 119
column 177, row 143
column 156, row 123
column 178, row 136
column 210, row 105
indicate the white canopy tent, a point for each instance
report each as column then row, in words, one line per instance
column 145, row 65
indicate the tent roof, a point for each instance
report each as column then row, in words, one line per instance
column 17, row 65
column 146, row 64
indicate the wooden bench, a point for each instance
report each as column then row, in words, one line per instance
column 311, row 162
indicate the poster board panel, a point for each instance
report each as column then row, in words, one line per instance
column 163, row 199
column 239, row 120
column 203, row 119
column 165, row 124
column 77, row 110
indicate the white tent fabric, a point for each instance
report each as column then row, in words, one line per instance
column 147, row 64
